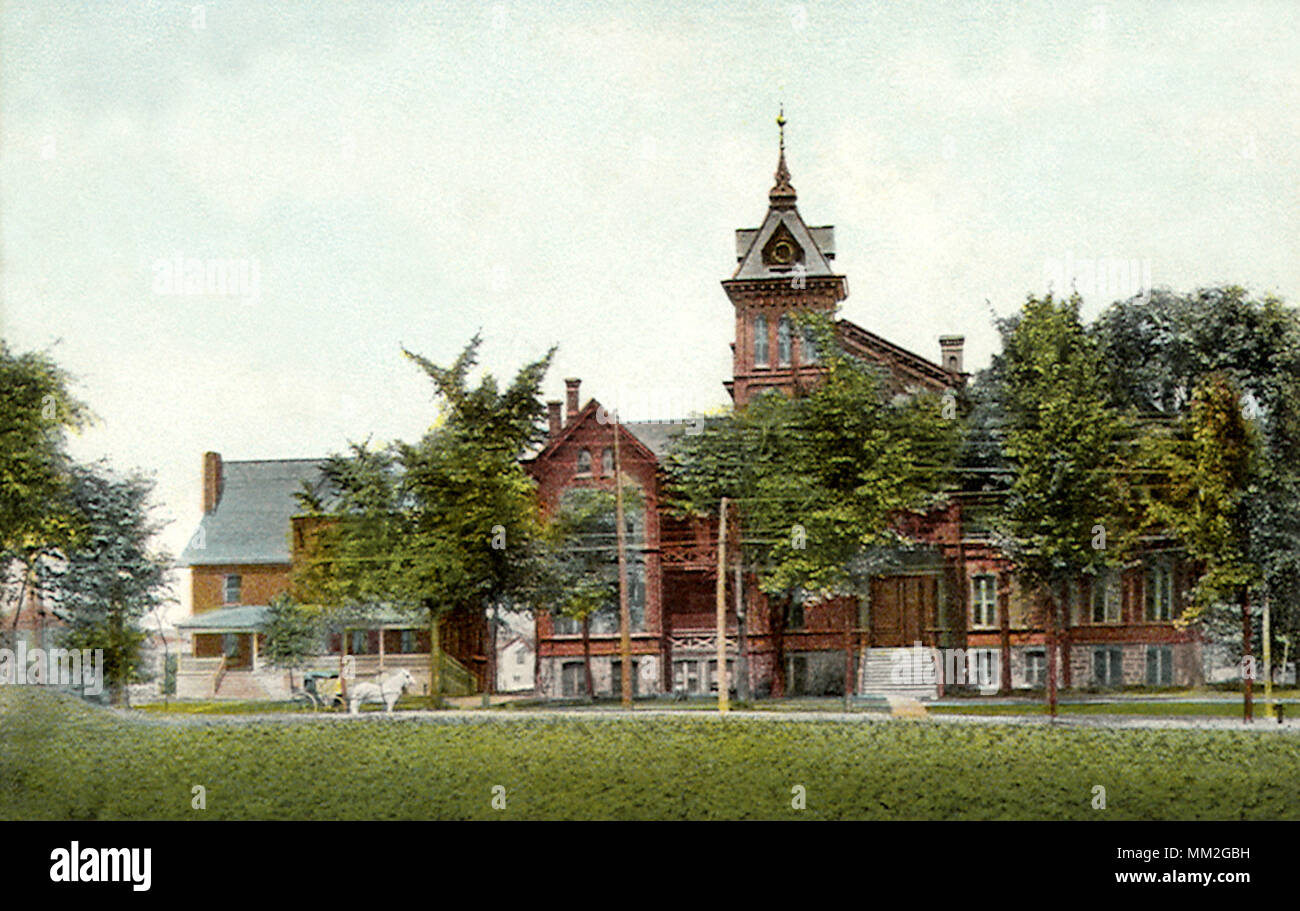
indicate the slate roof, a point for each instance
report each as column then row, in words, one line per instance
column 657, row 436
column 818, row 246
column 251, row 522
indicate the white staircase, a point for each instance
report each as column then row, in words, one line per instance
column 895, row 672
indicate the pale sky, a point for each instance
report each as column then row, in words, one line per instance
column 573, row 174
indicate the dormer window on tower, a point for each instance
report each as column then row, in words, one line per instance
column 782, row 251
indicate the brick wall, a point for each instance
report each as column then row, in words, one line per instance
column 259, row 584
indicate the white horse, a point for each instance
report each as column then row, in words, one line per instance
column 384, row 689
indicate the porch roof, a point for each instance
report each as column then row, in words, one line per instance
column 247, row 618
column 244, row 618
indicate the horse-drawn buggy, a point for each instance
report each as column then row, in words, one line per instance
column 320, row 690
column 323, row 689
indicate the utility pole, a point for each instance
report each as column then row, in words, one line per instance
column 624, row 615
column 722, row 606
column 1247, row 660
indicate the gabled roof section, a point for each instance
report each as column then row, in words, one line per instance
column 251, row 521
column 591, row 412
column 879, row 349
column 816, row 255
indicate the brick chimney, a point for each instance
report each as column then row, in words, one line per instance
column 950, row 347
column 211, row 480
column 571, row 398
column 553, row 414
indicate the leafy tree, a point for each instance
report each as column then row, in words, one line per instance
column 1208, row 498
column 37, row 409
column 1068, row 508
column 110, row 578
column 293, row 635
column 448, row 523
column 820, row 478
column 1159, row 352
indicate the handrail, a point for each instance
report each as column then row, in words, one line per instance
column 219, row 675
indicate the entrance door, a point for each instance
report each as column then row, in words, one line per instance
column 900, row 608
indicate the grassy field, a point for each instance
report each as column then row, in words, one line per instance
column 1222, row 709
column 60, row 759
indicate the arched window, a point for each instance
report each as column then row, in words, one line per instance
column 808, row 346
column 783, row 342
column 607, row 462
column 760, row 341
column 584, row 462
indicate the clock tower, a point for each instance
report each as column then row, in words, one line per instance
column 783, row 269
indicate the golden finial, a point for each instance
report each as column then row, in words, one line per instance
column 782, row 193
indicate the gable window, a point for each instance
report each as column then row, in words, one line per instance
column 1159, row 592
column 607, row 462
column 1106, row 597
column 233, row 588
column 761, row 357
column 984, row 600
column 1108, row 666
column 1160, row 665
column 783, row 342
column 584, row 461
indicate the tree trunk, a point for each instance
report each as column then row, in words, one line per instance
column 491, row 656
column 1248, row 706
column 1004, row 621
column 1051, row 655
column 435, row 659
column 1065, row 634
column 776, row 618
column 742, row 662
column 586, row 659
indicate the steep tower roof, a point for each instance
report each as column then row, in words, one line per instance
column 783, row 245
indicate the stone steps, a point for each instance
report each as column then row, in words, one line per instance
column 878, row 675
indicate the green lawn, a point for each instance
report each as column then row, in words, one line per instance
column 1221, row 709
column 60, row 759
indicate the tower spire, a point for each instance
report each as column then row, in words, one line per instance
column 782, row 195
